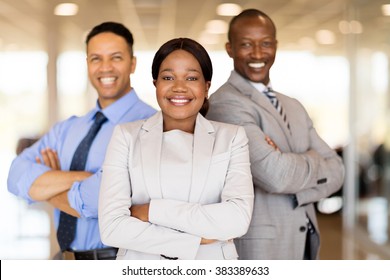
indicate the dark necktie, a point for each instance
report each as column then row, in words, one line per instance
column 67, row 225
column 274, row 100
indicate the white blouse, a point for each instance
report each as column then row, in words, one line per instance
column 176, row 165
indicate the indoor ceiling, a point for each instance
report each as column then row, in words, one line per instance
column 31, row 24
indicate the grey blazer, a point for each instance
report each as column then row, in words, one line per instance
column 219, row 205
column 287, row 182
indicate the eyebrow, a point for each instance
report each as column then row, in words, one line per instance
column 171, row 70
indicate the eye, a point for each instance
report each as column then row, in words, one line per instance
column 117, row 58
column 94, row 59
column 267, row 44
column 246, row 45
column 192, row 78
column 167, row 78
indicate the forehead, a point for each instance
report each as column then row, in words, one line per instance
column 256, row 25
column 107, row 41
column 180, row 58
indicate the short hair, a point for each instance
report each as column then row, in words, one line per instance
column 248, row 13
column 113, row 27
column 194, row 48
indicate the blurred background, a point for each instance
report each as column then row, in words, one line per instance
column 333, row 56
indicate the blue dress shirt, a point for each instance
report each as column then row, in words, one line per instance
column 64, row 137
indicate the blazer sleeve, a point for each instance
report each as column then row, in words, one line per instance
column 117, row 227
column 316, row 172
column 230, row 218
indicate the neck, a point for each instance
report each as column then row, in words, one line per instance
column 186, row 125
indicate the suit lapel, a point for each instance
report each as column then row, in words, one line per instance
column 204, row 137
column 261, row 100
column 151, row 141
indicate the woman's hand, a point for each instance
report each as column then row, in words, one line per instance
column 205, row 241
column 140, row 212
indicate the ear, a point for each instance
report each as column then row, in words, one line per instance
column 208, row 85
column 228, row 48
column 154, row 83
column 133, row 64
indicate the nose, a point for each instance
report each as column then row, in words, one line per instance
column 257, row 51
column 106, row 65
column 179, row 86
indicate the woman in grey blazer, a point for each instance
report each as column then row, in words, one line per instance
column 177, row 186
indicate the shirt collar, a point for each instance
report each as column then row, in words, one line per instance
column 260, row 86
column 119, row 108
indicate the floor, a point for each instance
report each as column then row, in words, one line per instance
column 336, row 245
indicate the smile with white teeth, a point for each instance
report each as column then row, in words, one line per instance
column 257, row 64
column 107, row 80
column 179, row 101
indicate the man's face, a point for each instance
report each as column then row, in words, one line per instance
column 110, row 64
column 253, row 48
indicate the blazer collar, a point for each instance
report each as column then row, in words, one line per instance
column 151, row 144
column 244, row 87
column 204, row 137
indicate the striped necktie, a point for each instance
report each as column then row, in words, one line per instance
column 67, row 225
column 274, row 100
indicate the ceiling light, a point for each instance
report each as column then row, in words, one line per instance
column 344, row 27
column 353, row 26
column 386, row 10
column 216, row 26
column 325, row 37
column 66, row 9
column 228, row 9
column 356, row 27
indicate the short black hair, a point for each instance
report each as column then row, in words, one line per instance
column 113, row 27
column 248, row 13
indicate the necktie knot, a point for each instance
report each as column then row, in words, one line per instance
column 272, row 97
column 100, row 118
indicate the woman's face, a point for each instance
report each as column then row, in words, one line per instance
column 181, row 90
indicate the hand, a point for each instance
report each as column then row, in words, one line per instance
column 140, row 212
column 271, row 143
column 205, row 241
column 50, row 159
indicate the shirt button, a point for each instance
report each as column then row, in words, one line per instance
column 302, row 229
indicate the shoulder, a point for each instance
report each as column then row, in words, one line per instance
column 130, row 127
column 228, row 131
column 65, row 125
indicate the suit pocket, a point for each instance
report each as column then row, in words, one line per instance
column 261, row 232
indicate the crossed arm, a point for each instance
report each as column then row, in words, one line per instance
column 53, row 186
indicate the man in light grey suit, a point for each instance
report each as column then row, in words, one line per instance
column 292, row 166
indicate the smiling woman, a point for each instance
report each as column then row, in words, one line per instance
column 181, row 90
column 170, row 207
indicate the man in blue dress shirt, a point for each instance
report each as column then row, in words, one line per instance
column 41, row 172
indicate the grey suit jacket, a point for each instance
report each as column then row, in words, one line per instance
column 220, row 202
column 287, row 182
